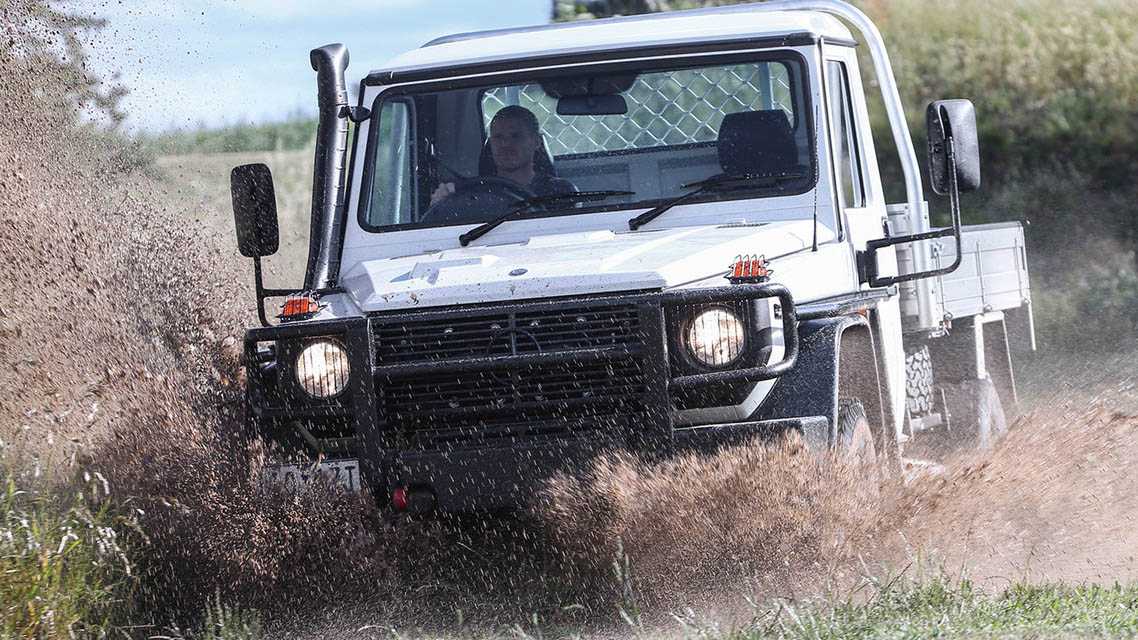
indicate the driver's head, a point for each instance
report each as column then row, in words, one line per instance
column 514, row 138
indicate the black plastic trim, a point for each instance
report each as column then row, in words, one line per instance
column 816, row 369
column 843, row 304
column 328, row 206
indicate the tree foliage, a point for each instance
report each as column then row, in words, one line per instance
column 43, row 52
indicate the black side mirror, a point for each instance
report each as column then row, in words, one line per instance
column 955, row 120
column 254, row 210
column 954, row 166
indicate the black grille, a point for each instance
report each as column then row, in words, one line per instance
column 548, row 390
column 587, row 373
column 482, row 334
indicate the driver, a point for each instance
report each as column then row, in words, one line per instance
column 515, row 149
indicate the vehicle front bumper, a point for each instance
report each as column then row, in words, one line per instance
column 506, row 478
column 489, row 466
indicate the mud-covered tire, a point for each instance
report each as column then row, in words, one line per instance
column 919, row 382
column 854, row 439
column 976, row 414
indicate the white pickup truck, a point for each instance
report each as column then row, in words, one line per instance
column 659, row 234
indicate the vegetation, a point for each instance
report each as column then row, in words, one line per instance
column 63, row 569
column 292, row 134
column 940, row 608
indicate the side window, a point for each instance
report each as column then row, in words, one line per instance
column 393, row 186
column 846, row 153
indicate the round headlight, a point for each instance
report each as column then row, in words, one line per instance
column 716, row 337
column 322, row 369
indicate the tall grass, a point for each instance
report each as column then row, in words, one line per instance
column 64, row 571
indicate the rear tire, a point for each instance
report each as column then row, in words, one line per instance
column 919, row 382
column 976, row 414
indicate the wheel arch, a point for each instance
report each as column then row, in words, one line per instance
column 828, row 368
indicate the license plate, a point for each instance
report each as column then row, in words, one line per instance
column 345, row 473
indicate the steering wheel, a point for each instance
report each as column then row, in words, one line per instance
column 476, row 200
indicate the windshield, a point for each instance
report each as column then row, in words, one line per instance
column 470, row 154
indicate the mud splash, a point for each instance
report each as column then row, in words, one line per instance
column 119, row 336
column 758, row 517
column 1056, row 501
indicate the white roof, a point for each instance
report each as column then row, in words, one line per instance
column 681, row 27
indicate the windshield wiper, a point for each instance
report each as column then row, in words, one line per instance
column 529, row 203
column 719, row 182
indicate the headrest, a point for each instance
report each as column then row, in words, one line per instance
column 757, row 142
column 542, row 162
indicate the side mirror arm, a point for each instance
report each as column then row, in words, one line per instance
column 869, row 257
column 263, row 293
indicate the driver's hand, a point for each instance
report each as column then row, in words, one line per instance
column 444, row 189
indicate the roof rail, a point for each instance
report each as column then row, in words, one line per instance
column 645, row 17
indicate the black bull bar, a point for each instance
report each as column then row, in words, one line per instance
column 740, row 293
column 502, row 476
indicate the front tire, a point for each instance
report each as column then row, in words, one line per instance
column 854, row 441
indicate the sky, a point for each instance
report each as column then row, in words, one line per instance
column 214, row 62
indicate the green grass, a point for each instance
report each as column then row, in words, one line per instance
column 63, row 571
column 67, row 572
column 941, row 608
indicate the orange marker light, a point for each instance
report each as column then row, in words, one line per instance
column 749, row 269
column 299, row 307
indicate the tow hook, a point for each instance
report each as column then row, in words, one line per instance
column 413, row 500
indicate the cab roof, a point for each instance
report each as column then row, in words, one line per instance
column 700, row 26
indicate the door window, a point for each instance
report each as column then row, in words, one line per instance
column 846, row 157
